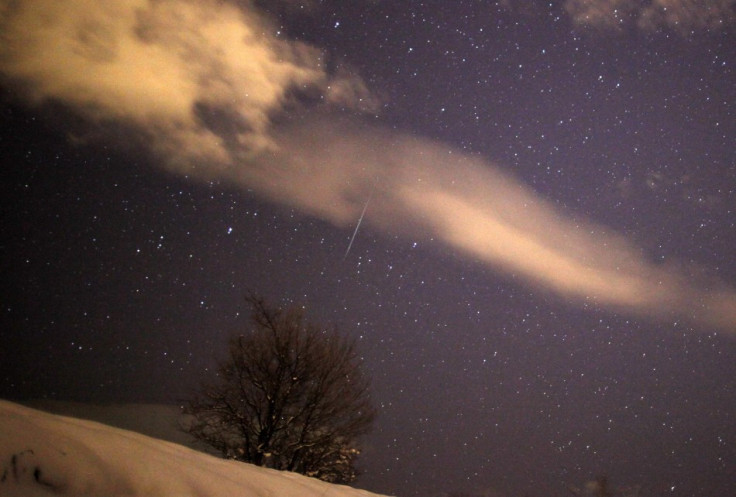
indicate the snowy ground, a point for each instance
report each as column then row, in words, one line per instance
column 43, row 454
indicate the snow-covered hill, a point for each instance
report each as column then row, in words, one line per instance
column 43, row 454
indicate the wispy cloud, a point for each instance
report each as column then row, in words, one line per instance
column 679, row 15
column 424, row 189
column 207, row 81
column 167, row 66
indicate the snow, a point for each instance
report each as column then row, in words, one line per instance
column 43, row 454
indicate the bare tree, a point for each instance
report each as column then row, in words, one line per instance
column 290, row 395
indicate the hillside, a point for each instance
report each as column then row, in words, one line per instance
column 43, row 454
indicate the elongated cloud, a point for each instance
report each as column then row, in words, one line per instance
column 218, row 93
column 679, row 15
column 425, row 189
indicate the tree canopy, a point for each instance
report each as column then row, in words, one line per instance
column 289, row 395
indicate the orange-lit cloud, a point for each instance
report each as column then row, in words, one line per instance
column 679, row 15
column 424, row 189
column 163, row 65
column 205, row 81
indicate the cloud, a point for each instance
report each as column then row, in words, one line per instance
column 220, row 94
column 599, row 13
column 688, row 15
column 424, row 189
column 682, row 16
column 166, row 66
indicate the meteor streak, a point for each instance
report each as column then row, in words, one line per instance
column 360, row 220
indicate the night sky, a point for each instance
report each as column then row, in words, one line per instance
column 542, row 280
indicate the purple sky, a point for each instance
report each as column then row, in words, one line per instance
column 543, row 282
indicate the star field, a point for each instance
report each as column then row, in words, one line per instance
column 124, row 275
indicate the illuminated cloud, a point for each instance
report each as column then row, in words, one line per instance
column 428, row 191
column 687, row 15
column 679, row 15
column 167, row 66
column 599, row 13
column 205, row 82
